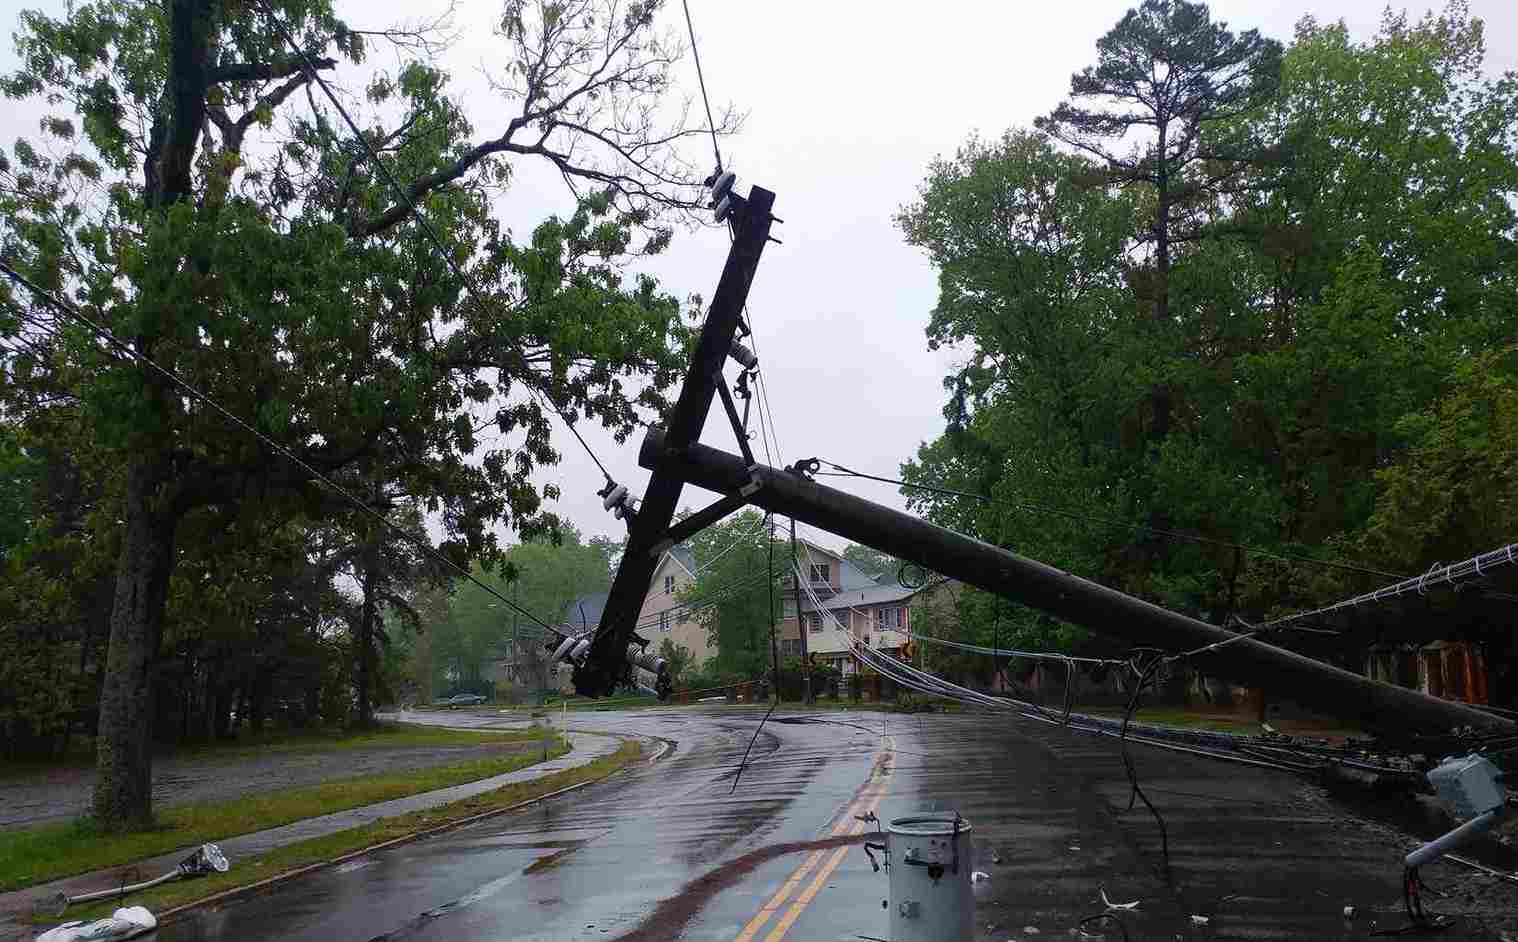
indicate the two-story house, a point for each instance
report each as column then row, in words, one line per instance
column 663, row 614
column 877, row 611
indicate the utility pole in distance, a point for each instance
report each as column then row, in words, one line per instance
column 806, row 661
column 774, row 643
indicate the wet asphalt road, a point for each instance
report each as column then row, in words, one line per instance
column 664, row 852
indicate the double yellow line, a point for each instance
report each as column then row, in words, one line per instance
column 867, row 802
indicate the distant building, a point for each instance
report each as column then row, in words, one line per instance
column 663, row 614
column 876, row 609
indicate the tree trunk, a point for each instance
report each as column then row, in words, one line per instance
column 221, row 709
column 258, row 700
column 124, row 758
column 363, row 677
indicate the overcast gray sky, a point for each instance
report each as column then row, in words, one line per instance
column 847, row 103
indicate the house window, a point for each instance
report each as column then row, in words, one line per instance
column 842, row 615
column 900, row 622
column 664, row 621
column 788, row 609
column 881, row 614
column 790, row 647
column 814, row 621
column 669, row 585
column 820, row 572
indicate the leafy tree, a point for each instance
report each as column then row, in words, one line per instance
column 196, row 203
column 680, row 659
column 871, row 562
column 390, row 571
column 1452, row 491
column 731, row 595
column 1167, row 69
column 544, row 576
column 1325, row 317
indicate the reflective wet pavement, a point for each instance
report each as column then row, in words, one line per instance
column 664, row 851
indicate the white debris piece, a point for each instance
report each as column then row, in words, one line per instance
column 1111, row 905
column 979, row 875
column 1349, row 912
column 125, row 923
column 1200, row 920
column 1030, row 930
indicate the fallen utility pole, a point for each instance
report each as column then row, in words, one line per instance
column 1383, row 707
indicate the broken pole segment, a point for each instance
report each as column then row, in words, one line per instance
column 1385, row 708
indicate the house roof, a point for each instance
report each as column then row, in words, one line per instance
column 684, row 558
column 871, row 594
column 593, row 605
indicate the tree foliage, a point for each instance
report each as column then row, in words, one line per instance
column 192, row 193
column 871, row 562
column 1333, row 349
column 472, row 628
column 732, row 594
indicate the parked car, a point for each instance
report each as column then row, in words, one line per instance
column 461, row 699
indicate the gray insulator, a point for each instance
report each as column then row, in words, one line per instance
column 744, row 356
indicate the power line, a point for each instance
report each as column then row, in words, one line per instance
column 1477, row 566
column 701, row 77
column 422, row 221
column 105, row 335
column 711, row 597
column 1087, row 518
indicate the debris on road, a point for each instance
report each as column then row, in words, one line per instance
column 129, row 922
column 979, row 875
column 1349, row 912
column 1200, row 920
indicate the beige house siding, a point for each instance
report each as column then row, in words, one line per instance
column 678, row 627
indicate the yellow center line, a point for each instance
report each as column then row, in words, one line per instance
column 867, row 801
column 789, row 887
column 802, row 901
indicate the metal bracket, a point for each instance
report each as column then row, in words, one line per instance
column 684, row 529
column 739, row 431
column 806, row 468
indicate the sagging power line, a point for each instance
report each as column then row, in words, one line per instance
column 103, row 334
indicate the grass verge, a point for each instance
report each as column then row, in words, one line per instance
column 36, row 855
column 380, row 736
column 328, row 849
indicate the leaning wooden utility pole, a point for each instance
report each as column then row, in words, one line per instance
column 616, row 650
column 1386, row 708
